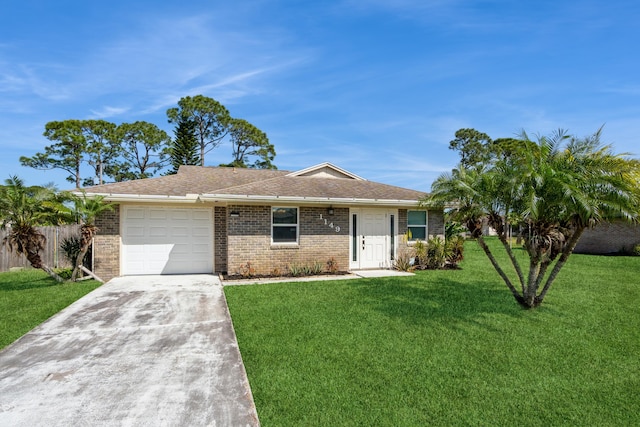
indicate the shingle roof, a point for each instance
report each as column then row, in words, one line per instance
column 220, row 182
column 188, row 180
column 311, row 187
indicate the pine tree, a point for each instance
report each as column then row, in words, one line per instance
column 184, row 147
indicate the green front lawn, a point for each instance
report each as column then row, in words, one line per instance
column 29, row 297
column 445, row 348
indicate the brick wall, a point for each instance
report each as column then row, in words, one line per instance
column 107, row 245
column 435, row 222
column 402, row 222
column 220, row 239
column 249, row 239
column 607, row 238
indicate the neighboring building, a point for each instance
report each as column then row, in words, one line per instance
column 617, row 237
column 216, row 219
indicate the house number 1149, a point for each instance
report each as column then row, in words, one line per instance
column 330, row 224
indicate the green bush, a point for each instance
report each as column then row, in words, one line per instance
column 455, row 250
column 436, row 254
column 71, row 248
column 296, row 269
column 403, row 262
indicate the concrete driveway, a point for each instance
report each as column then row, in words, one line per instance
column 138, row 351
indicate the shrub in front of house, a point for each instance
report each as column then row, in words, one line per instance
column 434, row 254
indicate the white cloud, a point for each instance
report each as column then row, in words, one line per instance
column 107, row 112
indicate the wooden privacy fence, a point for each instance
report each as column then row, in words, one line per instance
column 52, row 255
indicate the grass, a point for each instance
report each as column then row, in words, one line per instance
column 29, row 297
column 445, row 348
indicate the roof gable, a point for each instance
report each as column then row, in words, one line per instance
column 326, row 170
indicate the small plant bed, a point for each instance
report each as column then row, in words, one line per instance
column 295, row 269
column 273, row 277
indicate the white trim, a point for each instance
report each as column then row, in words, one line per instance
column 292, row 199
column 109, row 197
column 326, row 165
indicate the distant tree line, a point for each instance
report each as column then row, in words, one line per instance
column 137, row 150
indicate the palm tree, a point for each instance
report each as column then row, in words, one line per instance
column 87, row 210
column 558, row 186
column 22, row 209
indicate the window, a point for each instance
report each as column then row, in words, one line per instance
column 284, row 225
column 354, row 238
column 417, row 222
column 393, row 237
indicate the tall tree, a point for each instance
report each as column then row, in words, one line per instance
column 557, row 185
column 250, row 143
column 473, row 146
column 22, row 209
column 102, row 148
column 67, row 153
column 211, row 119
column 77, row 142
column 184, row 148
column 143, row 151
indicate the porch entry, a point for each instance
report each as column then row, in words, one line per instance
column 373, row 238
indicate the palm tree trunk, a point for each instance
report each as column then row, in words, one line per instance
column 51, row 273
column 568, row 250
column 76, row 269
column 534, row 272
column 501, row 272
column 514, row 261
column 87, row 232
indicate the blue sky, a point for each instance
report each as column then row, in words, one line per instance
column 377, row 87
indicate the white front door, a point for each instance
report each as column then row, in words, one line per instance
column 372, row 238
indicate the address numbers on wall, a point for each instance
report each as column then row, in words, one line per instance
column 330, row 224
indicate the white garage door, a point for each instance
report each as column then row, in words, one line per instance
column 162, row 240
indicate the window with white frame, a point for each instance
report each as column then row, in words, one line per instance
column 284, row 225
column 417, row 225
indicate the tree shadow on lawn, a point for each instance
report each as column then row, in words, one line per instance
column 443, row 300
column 25, row 281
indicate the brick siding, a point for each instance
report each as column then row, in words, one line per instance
column 249, row 239
column 435, row 222
column 220, row 238
column 107, row 245
column 403, row 224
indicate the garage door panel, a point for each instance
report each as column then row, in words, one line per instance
column 167, row 241
column 157, row 231
column 202, row 215
column 177, row 214
column 180, row 231
column 183, row 248
column 200, row 231
column 200, row 248
column 134, row 213
column 131, row 231
column 157, row 214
